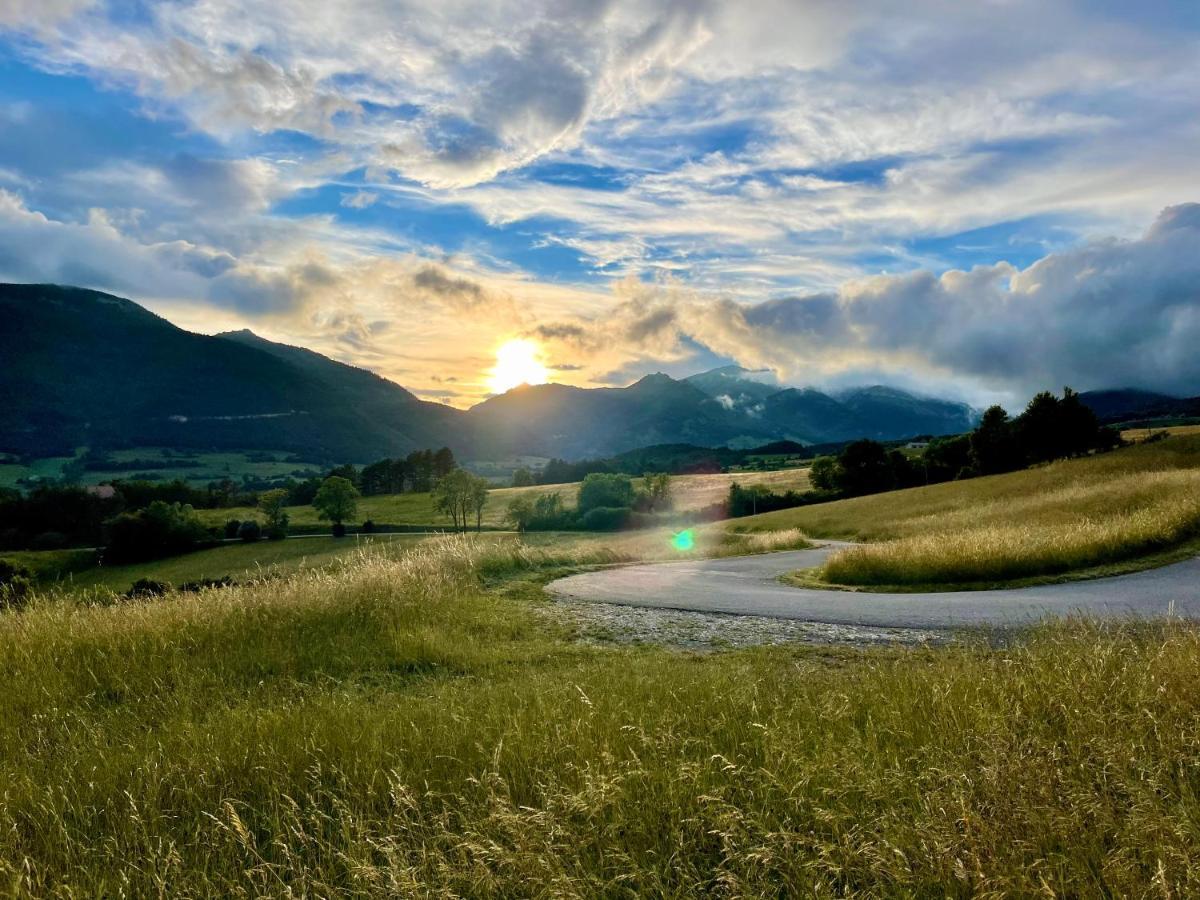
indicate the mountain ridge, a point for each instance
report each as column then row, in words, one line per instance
column 88, row 368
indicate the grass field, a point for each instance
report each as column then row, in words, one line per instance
column 1135, row 435
column 238, row 561
column 212, row 467
column 691, row 492
column 1073, row 516
column 390, row 727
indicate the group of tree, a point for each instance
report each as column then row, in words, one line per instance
column 161, row 529
column 1050, row 428
column 419, row 472
column 605, row 501
column 461, row 496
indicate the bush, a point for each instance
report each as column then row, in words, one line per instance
column 605, row 518
column 232, row 527
column 368, row 527
column 15, row 583
column 159, row 530
column 250, row 531
column 202, row 584
column 147, row 587
column 600, row 490
column 339, row 530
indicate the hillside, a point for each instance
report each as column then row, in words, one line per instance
column 572, row 422
column 816, row 417
column 87, row 368
column 83, row 367
column 1128, row 404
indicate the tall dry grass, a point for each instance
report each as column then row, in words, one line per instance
column 387, row 727
column 1078, row 526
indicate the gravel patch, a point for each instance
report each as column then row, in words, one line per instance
column 605, row 623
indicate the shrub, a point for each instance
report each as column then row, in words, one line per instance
column 250, row 531
column 203, row 584
column 159, row 530
column 603, row 490
column 368, row 527
column 232, row 527
column 605, row 518
column 15, row 583
column 339, row 530
column 147, row 587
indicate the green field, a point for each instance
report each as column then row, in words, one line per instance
column 212, row 467
column 417, row 724
column 691, row 492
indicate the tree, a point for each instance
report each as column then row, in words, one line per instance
column 1039, row 428
column 825, row 474
column 450, row 497
column 948, row 458
column 270, row 504
column 336, row 501
column 443, row 463
column 603, row 489
column 376, row 478
column 420, row 470
column 520, row 513
column 522, row 478
column 458, row 495
column 161, row 529
column 657, row 487
column 478, row 498
column 994, row 446
column 866, row 468
column 348, row 471
column 250, row 531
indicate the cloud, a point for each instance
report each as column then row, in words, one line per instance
column 1105, row 314
column 359, row 200
column 38, row 15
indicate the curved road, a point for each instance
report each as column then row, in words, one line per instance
column 749, row 585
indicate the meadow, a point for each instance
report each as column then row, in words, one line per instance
column 690, row 493
column 414, row 722
column 1115, row 512
column 199, row 468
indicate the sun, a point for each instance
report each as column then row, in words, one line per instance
column 517, row 362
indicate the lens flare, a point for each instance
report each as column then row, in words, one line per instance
column 684, row 541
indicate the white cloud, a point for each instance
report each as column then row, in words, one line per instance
column 1107, row 314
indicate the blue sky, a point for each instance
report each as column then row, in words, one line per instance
column 951, row 198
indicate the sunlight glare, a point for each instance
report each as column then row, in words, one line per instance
column 517, row 362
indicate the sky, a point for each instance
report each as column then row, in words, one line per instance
column 974, row 200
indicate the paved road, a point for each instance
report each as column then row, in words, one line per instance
column 748, row 585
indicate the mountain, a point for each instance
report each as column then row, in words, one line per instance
column 86, row 368
column 83, row 367
column 812, row 416
column 891, row 413
column 1128, row 404
column 572, row 422
column 736, row 387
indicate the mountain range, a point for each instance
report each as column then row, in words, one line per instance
column 82, row 367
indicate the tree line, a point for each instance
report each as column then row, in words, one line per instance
column 605, row 501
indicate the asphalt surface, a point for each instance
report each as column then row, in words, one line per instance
column 749, row 585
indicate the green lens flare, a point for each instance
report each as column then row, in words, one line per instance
column 685, row 540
